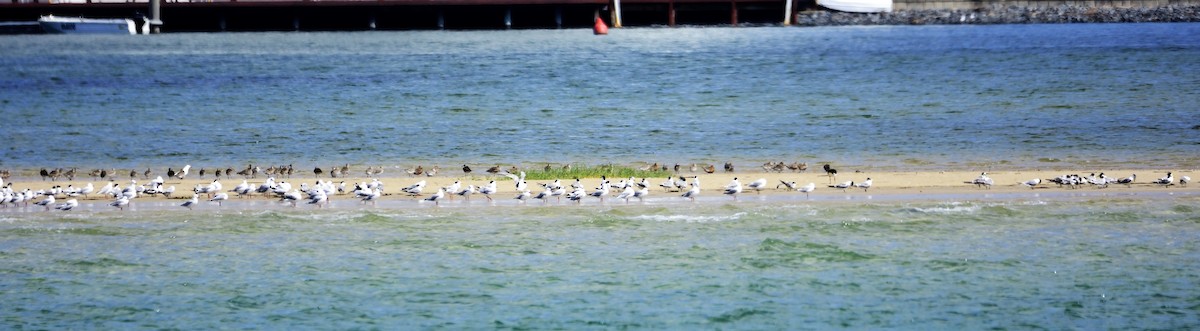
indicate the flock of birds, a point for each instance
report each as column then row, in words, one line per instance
column 321, row 191
column 370, row 191
column 1075, row 181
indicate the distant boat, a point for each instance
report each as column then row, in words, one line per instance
column 858, row 6
column 79, row 25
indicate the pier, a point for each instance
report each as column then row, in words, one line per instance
column 354, row 15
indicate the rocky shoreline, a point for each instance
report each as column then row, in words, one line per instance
column 1005, row 15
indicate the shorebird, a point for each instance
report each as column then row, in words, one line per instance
column 191, row 202
column 1183, row 180
column 47, row 202
column 789, row 185
column 437, row 196
column 317, row 172
column 831, row 172
column 1128, row 181
column 603, row 190
column 693, row 192
column 183, row 172
column 291, row 196
column 415, row 189
column 577, row 194
column 120, row 203
column 808, row 189
column 626, row 193
column 733, row 188
column 219, row 197
column 1166, row 181
column 488, row 190
column 865, row 184
column 523, row 196
column 844, row 185
column 466, row 169
column 758, row 185
column 547, row 192
column 373, row 196
column 1031, row 183
column 68, row 205
column 982, row 181
column 467, row 192
column 318, row 197
column 641, row 193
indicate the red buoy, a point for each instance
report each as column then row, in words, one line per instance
column 600, row 28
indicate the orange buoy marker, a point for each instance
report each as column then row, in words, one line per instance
column 600, row 28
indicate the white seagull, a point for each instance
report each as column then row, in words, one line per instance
column 758, row 185
column 733, row 188
column 65, row 206
column 219, row 197
column 692, row 193
column 807, row 189
column 47, row 202
column 415, row 189
column 191, row 202
column 436, row 196
column 120, row 203
column 1031, row 183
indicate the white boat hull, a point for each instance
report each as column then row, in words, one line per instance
column 858, row 6
column 78, row 25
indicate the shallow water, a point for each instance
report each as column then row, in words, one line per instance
column 910, row 97
column 1117, row 263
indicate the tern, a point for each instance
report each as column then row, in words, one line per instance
column 865, row 184
column 843, row 185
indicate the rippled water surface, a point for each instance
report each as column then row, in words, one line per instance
column 1060, row 264
column 892, row 97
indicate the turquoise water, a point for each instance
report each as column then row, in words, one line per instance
column 911, row 97
column 1122, row 263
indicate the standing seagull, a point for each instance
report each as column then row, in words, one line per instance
column 808, row 189
column 120, row 203
column 47, row 202
column 436, row 196
column 734, row 188
column 219, row 197
column 488, row 190
column 758, row 185
column 1031, row 183
column 191, row 202
column 67, row 205
column 693, row 192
